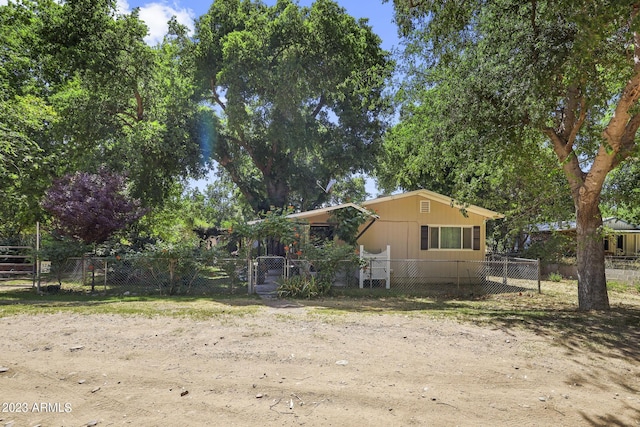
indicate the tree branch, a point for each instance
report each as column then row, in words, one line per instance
column 119, row 115
column 228, row 163
column 628, row 142
column 215, row 96
column 321, row 103
column 618, row 125
column 568, row 160
column 139, row 106
column 578, row 124
column 241, row 143
column 567, row 125
column 276, row 55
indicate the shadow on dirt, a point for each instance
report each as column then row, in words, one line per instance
column 611, row 333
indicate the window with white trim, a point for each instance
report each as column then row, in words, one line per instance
column 450, row 237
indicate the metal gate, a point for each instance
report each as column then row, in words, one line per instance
column 267, row 272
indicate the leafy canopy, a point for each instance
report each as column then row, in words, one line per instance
column 122, row 103
column 26, row 118
column 567, row 69
column 297, row 95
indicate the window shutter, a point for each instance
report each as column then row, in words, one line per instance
column 424, row 237
column 425, row 206
column 476, row 238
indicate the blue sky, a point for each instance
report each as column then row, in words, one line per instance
column 157, row 13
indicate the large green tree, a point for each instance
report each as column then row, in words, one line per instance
column 296, row 93
column 427, row 149
column 569, row 69
column 123, row 103
column 80, row 90
column 26, row 118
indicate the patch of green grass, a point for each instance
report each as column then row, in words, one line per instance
column 27, row 301
column 615, row 286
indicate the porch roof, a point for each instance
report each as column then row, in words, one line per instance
column 315, row 212
column 312, row 213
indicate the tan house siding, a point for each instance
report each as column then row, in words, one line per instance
column 401, row 221
column 397, row 221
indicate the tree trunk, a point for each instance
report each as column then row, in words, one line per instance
column 277, row 192
column 592, row 284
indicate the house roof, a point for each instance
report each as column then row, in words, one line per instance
column 618, row 224
column 307, row 214
column 314, row 212
column 613, row 223
column 431, row 195
column 489, row 214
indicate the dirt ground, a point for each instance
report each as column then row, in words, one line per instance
column 289, row 365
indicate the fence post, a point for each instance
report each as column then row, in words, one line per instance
column 504, row 271
column 371, row 273
column 361, row 271
column 539, row 288
column 105, row 275
column 252, row 276
column 84, row 270
column 38, row 258
column 249, row 274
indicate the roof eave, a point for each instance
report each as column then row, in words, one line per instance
column 488, row 214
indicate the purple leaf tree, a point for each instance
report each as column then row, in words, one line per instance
column 91, row 207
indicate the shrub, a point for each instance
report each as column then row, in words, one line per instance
column 177, row 263
column 59, row 251
column 329, row 257
column 555, row 277
column 554, row 248
column 303, row 287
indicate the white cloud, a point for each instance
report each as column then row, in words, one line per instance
column 122, row 6
column 157, row 15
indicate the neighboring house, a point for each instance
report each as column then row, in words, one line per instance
column 418, row 226
column 621, row 238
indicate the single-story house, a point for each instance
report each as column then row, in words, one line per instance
column 413, row 229
column 621, row 238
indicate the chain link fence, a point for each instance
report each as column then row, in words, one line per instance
column 410, row 276
column 622, row 262
column 430, row 277
column 143, row 274
column 623, row 269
